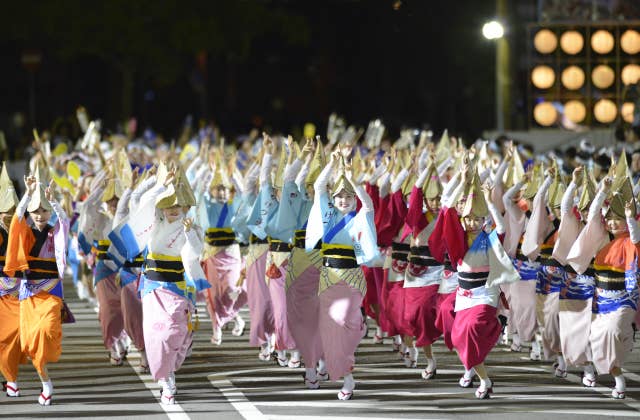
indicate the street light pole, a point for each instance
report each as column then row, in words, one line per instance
column 503, row 102
column 495, row 31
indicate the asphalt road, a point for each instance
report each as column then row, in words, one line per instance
column 229, row 382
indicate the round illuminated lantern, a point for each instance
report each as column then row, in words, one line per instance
column 602, row 41
column 603, row 76
column 627, row 111
column 545, row 114
column 572, row 77
column 543, row 77
column 630, row 74
column 545, row 41
column 575, row 111
column 630, row 41
column 605, row 111
column 571, row 42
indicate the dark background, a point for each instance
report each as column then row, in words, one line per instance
column 255, row 63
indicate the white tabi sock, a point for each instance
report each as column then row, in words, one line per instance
column 431, row 365
column 12, row 389
column 621, row 383
column 588, row 370
column 562, row 365
column 349, row 383
column 47, row 388
column 469, row 374
column 485, row 383
column 322, row 368
column 295, row 355
column 379, row 332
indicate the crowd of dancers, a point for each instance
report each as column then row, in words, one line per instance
column 431, row 240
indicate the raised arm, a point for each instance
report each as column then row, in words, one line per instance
column 139, row 191
column 632, row 224
column 598, row 201
column 498, row 220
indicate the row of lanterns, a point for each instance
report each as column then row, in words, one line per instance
column 572, row 42
column 605, row 111
column 573, row 77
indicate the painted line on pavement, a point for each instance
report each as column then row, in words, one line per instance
column 236, row 398
column 174, row 412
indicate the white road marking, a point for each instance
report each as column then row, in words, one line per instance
column 237, row 399
column 174, row 412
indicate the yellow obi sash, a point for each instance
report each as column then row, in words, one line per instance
column 103, row 247
column 609, row 278
column 42, row 268
column 220, row 236
column 339, row 264
column 338, row 256
column 161, row 267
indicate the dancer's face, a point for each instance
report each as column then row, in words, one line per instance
column 219, row 193
column 472, row 224
column 616, row 225
column 40, row 217
column 171, row 214
column 345, row 202
column 433, row 204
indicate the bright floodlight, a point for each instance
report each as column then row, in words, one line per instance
column 492, row 30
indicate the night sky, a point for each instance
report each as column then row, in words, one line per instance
column 242, row 64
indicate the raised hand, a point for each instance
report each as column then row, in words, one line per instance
column 31, row 183
column 629, row 209
column 606, row 184
column 171, row 176
column 576, row 176
column 187, row 222
column 267, row 144
column 49, row 192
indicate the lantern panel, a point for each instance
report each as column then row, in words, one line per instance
column 573, row 77
column 545, row 41
column 602, row 41
column 605, row 111
column 545, row 114
column 603, row 76
column 630, row 41
column 543, row 77
column 630, row 74
column 575, row 111
column 627, row 111
column 571, row 42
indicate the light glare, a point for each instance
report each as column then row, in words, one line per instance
column 493, row 30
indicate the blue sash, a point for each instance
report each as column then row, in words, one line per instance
column 223, row 216
column 338, row 227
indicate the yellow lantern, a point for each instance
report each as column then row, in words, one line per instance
column 603, row 76
column 630, row 41
column 571, row 42
column 575, row 111
column 630, row 74
column 602, row 41
column 545, row 114
column 543, row 77
column 627, row 111
column 572, row 77
column 605, row 111
column 545, row 41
